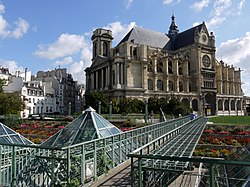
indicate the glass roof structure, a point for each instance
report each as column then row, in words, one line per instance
column 9, row 136
column 88, row 126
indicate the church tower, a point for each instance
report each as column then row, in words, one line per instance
column 102, row 42
column 173, row 29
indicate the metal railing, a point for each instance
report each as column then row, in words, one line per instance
column 81, row 164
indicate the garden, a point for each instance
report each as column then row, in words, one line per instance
column 39, row 130
column 222, row 138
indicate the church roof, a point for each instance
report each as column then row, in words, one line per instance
column 157, row 39
column 88, row 126
column 147, row 37
column 9, row 136
column 186, row 38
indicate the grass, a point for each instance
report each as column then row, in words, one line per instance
column 236, row 120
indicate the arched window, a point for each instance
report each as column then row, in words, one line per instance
column 170, row 67
column 226, row 105
column 238, row 105
column 220, row 104
column 185, row 101
column 170, row 85
column 232, row 105
column 150, row 84
column 180, row 69
column 105, row 49
column 195, row 104
column 159, row 65
column 180, row 87
column 160, row 85
column 150, row 66
column 189, row 68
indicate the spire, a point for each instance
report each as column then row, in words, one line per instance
column 173, row 29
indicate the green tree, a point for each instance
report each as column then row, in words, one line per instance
column 93, row 99
column 10, row 103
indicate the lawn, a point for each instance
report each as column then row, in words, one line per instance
column 235, row 120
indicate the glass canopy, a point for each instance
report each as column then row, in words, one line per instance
column 86, row 127
column 9, row 136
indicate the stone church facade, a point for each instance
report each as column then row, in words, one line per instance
column 178, row 64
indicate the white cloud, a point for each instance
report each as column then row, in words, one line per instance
column 2, row 8
column 237, row 53
column 128, row 3
column 240, row 6
column 6, row 31
column 65, row 45
column 198, row 6
column 74, row 52
column 168, row 2
column 66, row 61
column 11, row 65
column 119, row 30
column 221, row 10
column 77, row 71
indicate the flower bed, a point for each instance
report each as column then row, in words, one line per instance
column 38, row 132
column 222, row 141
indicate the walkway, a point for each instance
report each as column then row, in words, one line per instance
column 119, row 176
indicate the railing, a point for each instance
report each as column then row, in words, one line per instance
column 162, row 160
column 81, row 164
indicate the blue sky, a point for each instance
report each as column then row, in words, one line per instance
column 46, row 34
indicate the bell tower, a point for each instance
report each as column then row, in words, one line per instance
column 102, row 42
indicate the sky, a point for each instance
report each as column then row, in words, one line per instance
column 42, row 35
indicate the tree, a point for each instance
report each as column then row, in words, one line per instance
column 10, row 103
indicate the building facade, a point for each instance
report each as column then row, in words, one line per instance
column 178, row 64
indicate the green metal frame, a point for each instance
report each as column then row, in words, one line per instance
column 211, row 161
column 80, row 164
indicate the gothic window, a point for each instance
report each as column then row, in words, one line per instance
column 238, row 105
column 160, row 85
column 195, row 104
column 170, row 85
column 170, row 67
column 159, row 65
column 190, row 87
column 180, row 69
column 95, row 50
column 150, row 84
column 113, row 77
column 180, row 87
column 105, row 49
column 135, row 53
column 226, row 105
column 150, row 66
column 220, row 105
column 232, row 105
column 185, row 101
column 189, row 68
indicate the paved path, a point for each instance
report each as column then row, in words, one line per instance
column 119, row 176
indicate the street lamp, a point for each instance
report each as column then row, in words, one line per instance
column 146, row 111
column 110, row 109
column 99, row 107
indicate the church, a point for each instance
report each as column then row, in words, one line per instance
column 177, row 64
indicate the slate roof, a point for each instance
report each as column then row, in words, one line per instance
column 147, row 37
column 185, row 38
column 86, row 127
column 157, row 39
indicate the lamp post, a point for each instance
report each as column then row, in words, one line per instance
column 99, row 107
column 110, row 109
column 146, row 111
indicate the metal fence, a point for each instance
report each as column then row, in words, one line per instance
column 77, row 165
